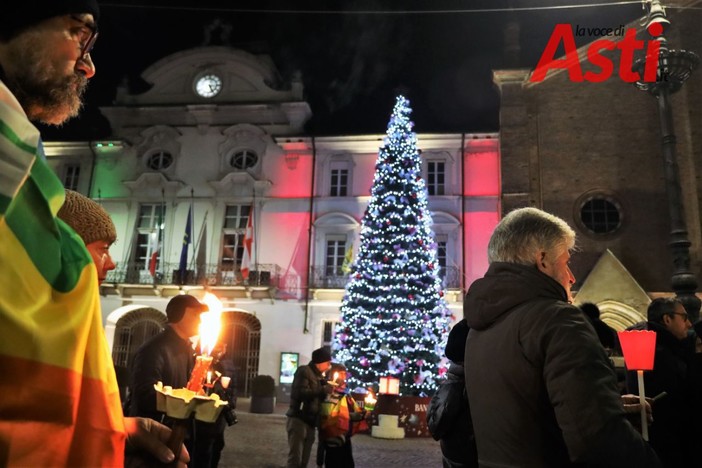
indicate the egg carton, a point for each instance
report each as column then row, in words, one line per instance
column 181, row 403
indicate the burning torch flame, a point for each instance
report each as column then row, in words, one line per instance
column 210, row 324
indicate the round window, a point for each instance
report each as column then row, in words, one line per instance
column 243, row 159
column 601, row 214
column 159, row 161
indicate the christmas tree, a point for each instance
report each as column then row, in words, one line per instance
column 394, row 318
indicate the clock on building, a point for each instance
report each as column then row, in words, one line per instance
column 208, row 85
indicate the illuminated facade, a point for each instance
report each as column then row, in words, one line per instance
column 219, row 132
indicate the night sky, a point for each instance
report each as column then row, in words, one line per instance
column 352, row 64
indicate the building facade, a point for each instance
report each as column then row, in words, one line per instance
column 590, row 152
column 219, row 139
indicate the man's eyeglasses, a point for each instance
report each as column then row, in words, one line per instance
column 87, row 36
column 683, row 315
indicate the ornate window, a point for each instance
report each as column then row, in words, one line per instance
column 159, row 160
column 243, row 159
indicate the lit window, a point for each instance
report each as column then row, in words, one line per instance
column 159, row 161
column 243, row 159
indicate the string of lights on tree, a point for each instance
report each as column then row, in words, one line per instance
column 394, row 318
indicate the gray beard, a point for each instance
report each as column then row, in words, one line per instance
column 44, row 96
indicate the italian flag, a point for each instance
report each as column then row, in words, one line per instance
column 59, row 401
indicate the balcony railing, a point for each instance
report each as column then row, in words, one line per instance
column 209, row 274
column 324, row 278
column 266, row 275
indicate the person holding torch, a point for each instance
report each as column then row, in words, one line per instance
column 167, row 357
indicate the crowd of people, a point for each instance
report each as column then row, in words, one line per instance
column 539, row 386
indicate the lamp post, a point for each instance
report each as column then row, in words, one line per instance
column 674, row 68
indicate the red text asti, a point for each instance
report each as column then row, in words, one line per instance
column 627, row 46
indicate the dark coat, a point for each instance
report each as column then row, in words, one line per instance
column 541, row 389
column 674, row 433
column 306, row 394
column 449, row 421
column 167, row 358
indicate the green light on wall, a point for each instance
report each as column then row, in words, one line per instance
column 106, row 146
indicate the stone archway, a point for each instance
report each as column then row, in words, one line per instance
column 618, row 315
column 241, row 331
column 132, row 329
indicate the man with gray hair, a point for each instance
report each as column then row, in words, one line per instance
column 540, row 386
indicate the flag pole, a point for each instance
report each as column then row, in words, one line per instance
column 196, row 247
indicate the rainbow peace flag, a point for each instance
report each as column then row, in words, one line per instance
column 59, row 401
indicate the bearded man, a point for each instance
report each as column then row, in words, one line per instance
column 60, row 402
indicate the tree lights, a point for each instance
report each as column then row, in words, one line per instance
column 394, row 318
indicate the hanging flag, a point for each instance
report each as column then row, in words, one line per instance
column 155, row 247
column 348, row 260
column 57, row 381
column 187, row 236
column 248, row 246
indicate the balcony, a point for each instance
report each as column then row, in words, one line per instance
column 265, row 275
column 323, row 278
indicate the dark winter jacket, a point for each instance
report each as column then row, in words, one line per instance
column 675, row 431
column 167, row 358
column 541, row 389
column 306, row 394
column 449, row 421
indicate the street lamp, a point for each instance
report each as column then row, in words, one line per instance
column 674, row 67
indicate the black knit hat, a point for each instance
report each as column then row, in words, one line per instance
column 321, row 355
column 19, row 15
column 175, row 310
column 456, row 344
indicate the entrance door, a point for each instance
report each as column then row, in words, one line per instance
column 241, row 331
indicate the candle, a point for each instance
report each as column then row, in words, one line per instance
column 210, row 325
column 225, row 381
column 336, row 377
column 369, row 402
column 200, row 371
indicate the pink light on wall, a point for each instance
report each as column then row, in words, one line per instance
column 481, row 204
column 480, row 218
column 290, row 175
column 482, row 168
column 284, row 241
